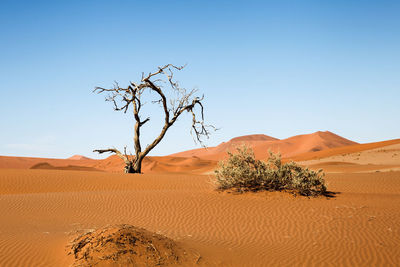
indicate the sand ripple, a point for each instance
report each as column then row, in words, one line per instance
column 361, row 226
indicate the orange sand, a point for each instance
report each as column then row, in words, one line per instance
column 44, row 202
column 373, row 157
column 344, row 150
column 360, row 226
column 110, row 164
column 261, row 144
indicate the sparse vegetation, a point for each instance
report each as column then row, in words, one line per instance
column 242, row 172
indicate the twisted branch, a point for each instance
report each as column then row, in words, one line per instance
column 122, row 98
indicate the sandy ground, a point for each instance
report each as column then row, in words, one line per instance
column 40, row 210
column 44, row 208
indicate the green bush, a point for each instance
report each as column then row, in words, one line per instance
column 242, row 172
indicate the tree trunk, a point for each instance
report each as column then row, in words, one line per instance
column 134, row 167
column 129, row 168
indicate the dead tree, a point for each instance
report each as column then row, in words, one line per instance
column 185, row 101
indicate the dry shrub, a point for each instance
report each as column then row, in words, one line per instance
column 242, row 172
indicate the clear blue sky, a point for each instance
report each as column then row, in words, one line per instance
column 279, row 68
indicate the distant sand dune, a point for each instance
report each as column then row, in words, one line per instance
column 47, row 166
column 380, row 156
column 160, row 164
column 310, row 149
column 345, row 167
column 261, row 144
column 79, row 157
column 9, row 162
column 344, row 150
column 110, row 164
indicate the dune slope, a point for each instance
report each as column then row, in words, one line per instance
column 261, row 144
column 111, row 164
column 344, row 150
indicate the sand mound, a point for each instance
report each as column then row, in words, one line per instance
column 47, row 166
column 78, row 157
column 122, row 245
column 43, row 165
column 159, row 164
column 10, row 162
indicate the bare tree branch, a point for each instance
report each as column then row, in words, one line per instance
column 113, row 150
column 122, row 98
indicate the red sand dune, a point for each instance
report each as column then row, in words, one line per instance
column 298, row 148
column 218, row 152
column 78, row 157
column 261, row 144
column 110, row 164
column 348, row 167
column 159, row 164
column 47, row 166
column 343, row 150
column 9, row 162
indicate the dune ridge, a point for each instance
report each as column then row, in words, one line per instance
column 47, row 166
column 13, row 162
column 261, row 144
column 79, row 157
column 344, row 150
column 309, row 149
column 382, row 156
column 110, row 164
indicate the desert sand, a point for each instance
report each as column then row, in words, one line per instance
column 262, row 143
column 43, row 208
